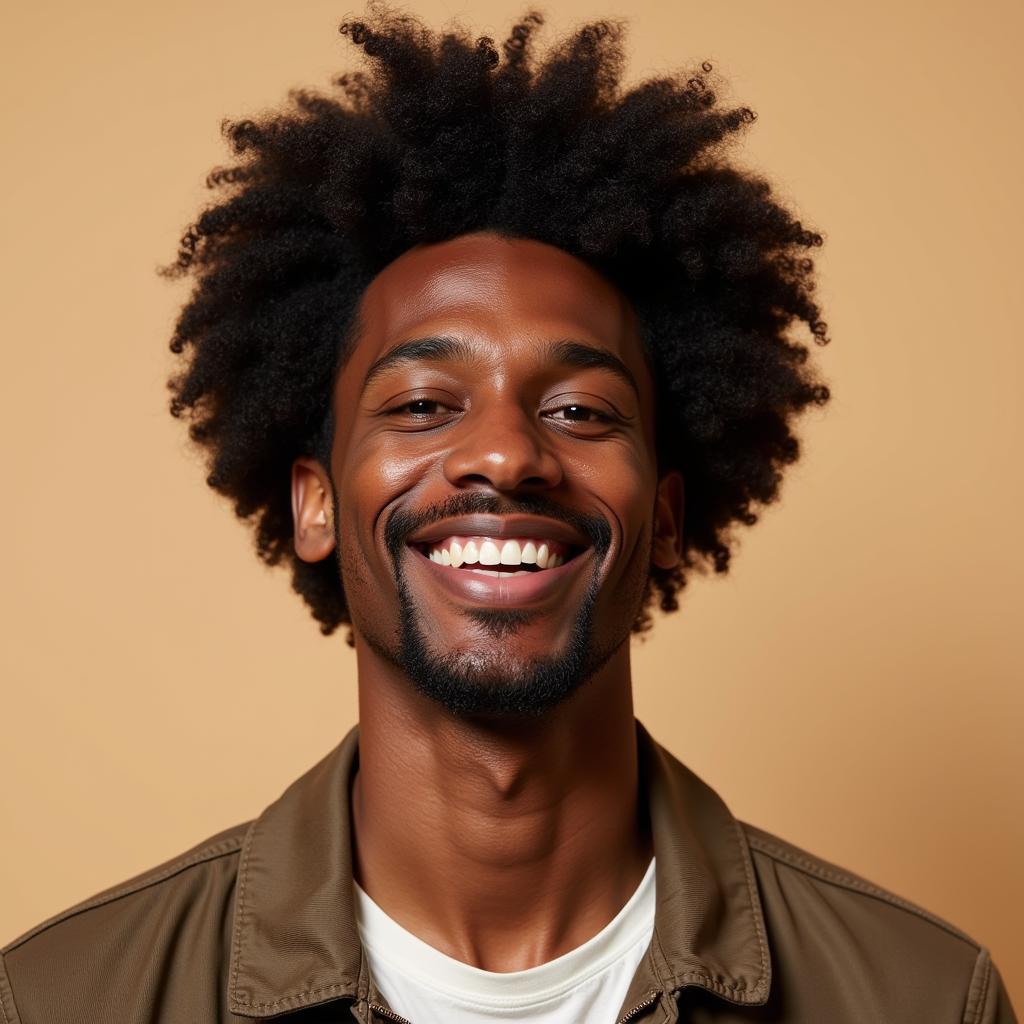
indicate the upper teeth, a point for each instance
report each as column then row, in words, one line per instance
column 485, row 551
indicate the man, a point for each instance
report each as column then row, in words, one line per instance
column 519, row 343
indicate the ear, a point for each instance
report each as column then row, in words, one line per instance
column 312, row 510
column 667, row 545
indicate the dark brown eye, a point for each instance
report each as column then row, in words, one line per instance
column 579, row 414
column 420, row 407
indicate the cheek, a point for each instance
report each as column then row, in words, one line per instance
column 627, row 488
column 624, row 482
column 373, row 475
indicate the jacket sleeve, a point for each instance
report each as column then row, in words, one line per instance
column 987, row 998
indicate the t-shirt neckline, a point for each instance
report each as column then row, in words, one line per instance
column 388, row 941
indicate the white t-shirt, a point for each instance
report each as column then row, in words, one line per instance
column 587, row 984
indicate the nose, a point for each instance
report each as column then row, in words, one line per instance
column 503, row 447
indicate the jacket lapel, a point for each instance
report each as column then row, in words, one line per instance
column 295, row 941
column 708, row 926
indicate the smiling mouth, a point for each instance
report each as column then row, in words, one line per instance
column 498, row 556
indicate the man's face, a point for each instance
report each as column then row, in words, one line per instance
column 494, row 467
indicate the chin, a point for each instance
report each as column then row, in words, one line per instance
column 501, row 677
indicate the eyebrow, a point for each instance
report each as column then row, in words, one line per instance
column 448, row 349
column 577, row 353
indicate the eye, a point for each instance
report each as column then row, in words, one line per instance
column 420, row 408
column 580, row 414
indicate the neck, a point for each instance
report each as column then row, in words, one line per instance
column 506, row 844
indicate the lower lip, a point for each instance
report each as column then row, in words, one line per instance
column 506, row 591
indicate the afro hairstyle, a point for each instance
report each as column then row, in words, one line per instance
column 442, row 134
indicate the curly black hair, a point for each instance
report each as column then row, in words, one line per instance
column 442, row 135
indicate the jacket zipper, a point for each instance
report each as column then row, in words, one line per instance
column 383, row 1011
column 649, row 1000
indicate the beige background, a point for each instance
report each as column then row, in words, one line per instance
column 854, row 685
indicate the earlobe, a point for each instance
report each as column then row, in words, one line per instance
column 667, row 544
column 312, row 512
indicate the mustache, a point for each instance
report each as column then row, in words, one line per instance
column 403, row 522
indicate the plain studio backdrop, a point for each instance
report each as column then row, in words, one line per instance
column 854, row 684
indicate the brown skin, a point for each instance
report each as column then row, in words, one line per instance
column 502, row 841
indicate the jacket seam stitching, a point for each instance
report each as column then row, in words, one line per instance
column 985, row 986
column 296, row 999
column 849, row 882
column 244, row 874
column 748, row 870
column 659, row 960
column 221, row 849
column 5, row 990
column 713, row 984
column 979, row 1007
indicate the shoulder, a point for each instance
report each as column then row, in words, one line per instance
column 825, row 917
column 773, row 855
column 122, row 932
column 169, row 882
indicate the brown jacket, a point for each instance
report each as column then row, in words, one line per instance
column 257, row 922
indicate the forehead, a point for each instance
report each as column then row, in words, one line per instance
column 494, row 291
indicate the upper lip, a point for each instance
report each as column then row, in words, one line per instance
column 480, row 525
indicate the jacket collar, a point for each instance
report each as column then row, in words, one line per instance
column 294, row 936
